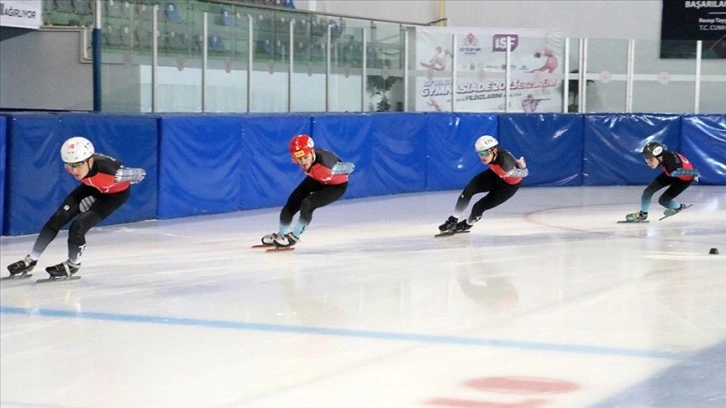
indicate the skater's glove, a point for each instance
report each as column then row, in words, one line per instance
column 517, row 172
column 521, row 163
column 342, row 168
column 130, row 174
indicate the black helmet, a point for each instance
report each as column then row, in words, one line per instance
column 653, row 149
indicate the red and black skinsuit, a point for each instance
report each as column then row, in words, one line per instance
column 96, row 198
column 320, row 188
column 501, row 180
column 669, row 162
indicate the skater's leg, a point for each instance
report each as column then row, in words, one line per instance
column 103, row 206
column 481, row 183
column 668, row 198
column 494, row 198
column 320, row 198
column 295, row 201
column 655, row 185
column 67, row 210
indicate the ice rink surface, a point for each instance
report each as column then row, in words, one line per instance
column 548, row 302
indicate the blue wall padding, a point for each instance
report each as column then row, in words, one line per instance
column 203, row 164
column 614, row 145
column 389, row 150
column 399, row 151
column 269, row 173
column 37, row 181
column 552, row 146
column 223, row 163
column 3, row 156
column 703, row 142
column 200, row 165
column 451, row 158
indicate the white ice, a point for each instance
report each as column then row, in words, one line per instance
column 548, row 302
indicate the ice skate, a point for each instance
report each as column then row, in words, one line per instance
column 285, row 241
column 63, row 270
column 269, row 239
column 21, row 269
column 449, row 224
column 462, row 226
column 635, row 217
column 453, row 227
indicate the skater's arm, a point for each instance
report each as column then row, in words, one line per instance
column 342, row 168
column 130, row 174
column 685, row 172
column 520, row 170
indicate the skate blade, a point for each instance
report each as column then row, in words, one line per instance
column 449, row 234
column 262, row 246
column 633, row 222
column 59, row 279
column 668, row 216
column 16, row 277
column 280, row 249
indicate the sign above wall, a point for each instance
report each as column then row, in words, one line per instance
column 686, row 21
column 535, row 68
column 21, row 13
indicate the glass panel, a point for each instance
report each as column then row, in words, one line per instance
column 713, row 85
column 228, row 45
column 126, row 57
column 573, row 77
column 346, row 67
column 607, row 68
column 308, row 85
column 663, row 85
column 179, row 74
column 271, row 61
column 659, row 85
column 385, row 68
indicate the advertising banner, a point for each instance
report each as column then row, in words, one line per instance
column 21, row 13
column 535, row 69
column 686, row 21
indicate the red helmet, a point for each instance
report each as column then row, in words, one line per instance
column 301, row 145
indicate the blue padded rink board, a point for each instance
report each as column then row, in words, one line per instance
column 548, row 302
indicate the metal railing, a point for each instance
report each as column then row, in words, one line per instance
column 225, row 57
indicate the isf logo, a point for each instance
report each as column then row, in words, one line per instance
column 499, row 42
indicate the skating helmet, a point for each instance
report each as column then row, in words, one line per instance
column 485, row 143
column 301, row 145
column 76, row 149
column 652, row 149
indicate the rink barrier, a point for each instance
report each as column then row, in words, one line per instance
column 3, row 171
column 218, row 163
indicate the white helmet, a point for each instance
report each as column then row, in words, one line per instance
column 485, row 142
column 76, row 149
